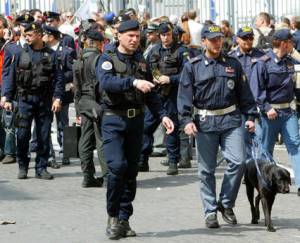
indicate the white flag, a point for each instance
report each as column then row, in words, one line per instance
column 85, row 10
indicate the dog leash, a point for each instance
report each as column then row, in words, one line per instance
column 254, row 151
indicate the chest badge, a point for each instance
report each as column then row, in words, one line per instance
column 142, row 66
column 230, row 84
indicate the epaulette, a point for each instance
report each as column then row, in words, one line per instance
column 265, row 58
column 195, row 59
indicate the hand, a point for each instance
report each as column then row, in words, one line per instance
column 8, row 106
column 250, row 126
column 190, row 129
column 2, row 102
column 144, row 85
column 78, row 120
column 164, row 79
column 56, row 105
column 168, row 124
column 272, row 114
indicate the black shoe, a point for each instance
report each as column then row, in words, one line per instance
column 125, row 229
column 158, row 154
column 227, row 214
column 44, row 175
column 22, row 174
column 91, row 181
column 172, row 170
column 211, row 221
column 9, row 159
column 113, row 229
column 184, row 164
column 164, row 162
column 298, row 192
column 66, row 161
column 143, row 166
column 53, row 164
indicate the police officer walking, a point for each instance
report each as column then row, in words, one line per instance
column 166, row 61
column 89, row 110
column 38, row 81
column 274, row 90
column 216, row 86
column 125, row 85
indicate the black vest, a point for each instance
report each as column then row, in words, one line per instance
column 34, row 78
column 133, row 97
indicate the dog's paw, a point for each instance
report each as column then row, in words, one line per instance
column 254, row 221
column 271, row 229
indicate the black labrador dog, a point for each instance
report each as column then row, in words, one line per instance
column 274, row 180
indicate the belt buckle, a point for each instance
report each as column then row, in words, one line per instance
column 131, row 113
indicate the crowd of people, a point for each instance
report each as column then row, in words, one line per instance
column 146, row 87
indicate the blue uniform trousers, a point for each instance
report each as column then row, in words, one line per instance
column 232, row 145
column 122, row 144
column 172, row 140
column 287, row 126
column 39, row 109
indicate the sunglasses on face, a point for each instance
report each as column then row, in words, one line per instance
column 246, row 38
column 49, row 20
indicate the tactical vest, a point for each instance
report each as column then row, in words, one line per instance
column 34, row 78
column 122, row 70
column 166, row 64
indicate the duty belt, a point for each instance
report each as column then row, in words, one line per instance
column 129, row 113
column 219, row 112
column 281, row 106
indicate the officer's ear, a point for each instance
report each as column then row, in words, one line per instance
column 119, row 36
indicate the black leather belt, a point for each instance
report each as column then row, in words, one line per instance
column 129, row 113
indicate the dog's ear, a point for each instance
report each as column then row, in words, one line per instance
column 288, row 175
column 270, row 174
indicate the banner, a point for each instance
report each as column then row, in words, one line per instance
column 85, row 10
column 7, row 7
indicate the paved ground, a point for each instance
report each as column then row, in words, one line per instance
column 167, row 209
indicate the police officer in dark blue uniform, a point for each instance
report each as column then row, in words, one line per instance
column 125, row 85
column 65, row 57
column 53, row 19
column 38, row 80
column 216, row 86
column 274, row 89
column 166, row 61
column 247, row 56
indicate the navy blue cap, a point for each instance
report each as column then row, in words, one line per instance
column 51, row 15
column 244, row 31
column 94, row 35
column 25, row 19
column 129, row 25
column 51, row 30
column 33, row 26
column 211, row 31
column 165, row 27
column 282, row 35
column 121, row 18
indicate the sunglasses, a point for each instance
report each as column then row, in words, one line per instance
column 49, row 20
column 250, row 38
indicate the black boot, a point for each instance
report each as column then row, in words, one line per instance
column 44, row 175
column 172, row 170
column 91, row 181
column 227, row 214
column 184, row 164
column 143, row 166
column 22, row 174
column 113, row 228
column 125, row 229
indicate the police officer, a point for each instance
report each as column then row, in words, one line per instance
column 65, row 57
column 11, row 50
column 88, row 109
column 166, row 60
column 216, row 86
column 247, row 56
column 273, row 81
column 125, row 84
column 53, row 19
column 38, row 80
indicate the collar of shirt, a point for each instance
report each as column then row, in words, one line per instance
column 273, row 56
column 239, row 53
column 55, row 47
column 208, row 60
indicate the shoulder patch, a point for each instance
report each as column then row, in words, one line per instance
column 195, row 59
column 106, row 65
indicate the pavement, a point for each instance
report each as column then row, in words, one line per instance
column 166, row 209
